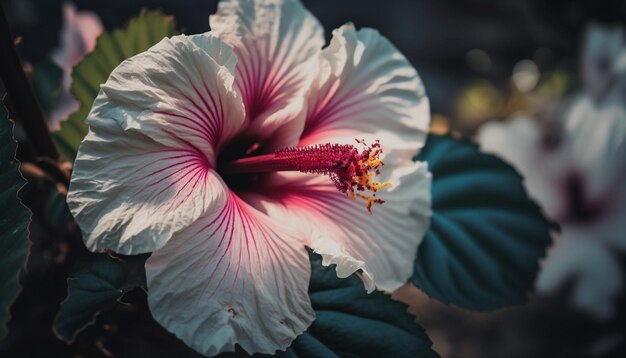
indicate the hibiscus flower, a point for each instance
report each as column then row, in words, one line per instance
column 574, row 166
column 226, row 153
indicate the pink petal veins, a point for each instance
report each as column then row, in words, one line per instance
column 274, row 41
column 366, row 89
column 242, row 271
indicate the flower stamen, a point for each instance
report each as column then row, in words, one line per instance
column 352, row 171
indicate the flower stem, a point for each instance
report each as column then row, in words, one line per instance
column 22, row 96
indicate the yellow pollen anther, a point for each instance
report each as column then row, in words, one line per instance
column 365, row 181
column 370, row 201
column 372, row 162
column 376, row 186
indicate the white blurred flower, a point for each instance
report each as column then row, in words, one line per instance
column 603, row 60
column 574, row 166
column 77, row 38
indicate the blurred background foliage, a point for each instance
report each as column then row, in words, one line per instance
column 480, row 60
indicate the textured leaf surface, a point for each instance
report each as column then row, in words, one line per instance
column 351, row 323
column 97, row 282
column 486, row 237
column 111, row 49
column 14, row 221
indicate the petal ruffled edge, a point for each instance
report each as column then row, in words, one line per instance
column 144, row 171
column 186, row 81
column 275, row 41
column 594, row 269
column 380, row 247
column 235, row 277
column 366, row 88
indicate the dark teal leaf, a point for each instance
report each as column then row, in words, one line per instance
column 486, row 236
column 352, row 323
column 14, row 221
column 46, row 79
column 98, row 281
column 57, row 213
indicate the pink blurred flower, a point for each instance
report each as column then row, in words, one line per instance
column 574, row 166
column 226, row 153
column 78, row 38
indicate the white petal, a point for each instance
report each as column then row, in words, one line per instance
column 231, row 278
column 611, row 227
column 273, row 40
column 595, row 272
column 381, row 247
column 179, row 92
column 366, row 89
column 130, row 194
column 596, row 136
column 519, row 142
column 603, row 50
column 145, row 170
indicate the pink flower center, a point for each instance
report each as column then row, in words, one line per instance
column 352, row 171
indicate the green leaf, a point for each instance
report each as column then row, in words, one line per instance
column 46, row 79
column 486, row 236
column 352, row 323
column 111, row 49
column 14, row 221
column 97, row 283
